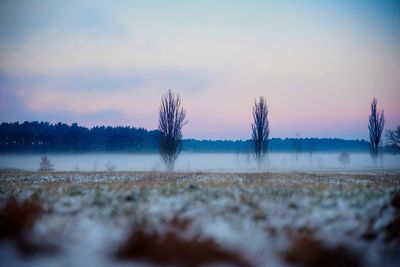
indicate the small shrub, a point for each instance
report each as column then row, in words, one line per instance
column 45, row 164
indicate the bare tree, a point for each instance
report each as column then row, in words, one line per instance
column 171, row 120
column 375, row 126
column 260, row 129
column 45, row 164
column 393, row 139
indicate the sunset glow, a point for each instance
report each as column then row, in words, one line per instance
column 318, row 63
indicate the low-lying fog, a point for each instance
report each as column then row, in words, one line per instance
column 221, row 162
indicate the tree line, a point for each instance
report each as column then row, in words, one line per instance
column 300, row 145
column 60, row 137
column 45, row 137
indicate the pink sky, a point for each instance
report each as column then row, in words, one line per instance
column 318, row 65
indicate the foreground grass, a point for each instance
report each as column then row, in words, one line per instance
column 239, row 219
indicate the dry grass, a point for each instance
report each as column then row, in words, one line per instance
column 179, row 224
column 16, row 222
column 17, row 219
column 307, row 251
column 12, row 180
column 172, row 250
column 169, row 248
column 392, row 229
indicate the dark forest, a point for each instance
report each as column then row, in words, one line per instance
column 60, row 137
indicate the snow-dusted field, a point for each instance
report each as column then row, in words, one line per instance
column 196, row 219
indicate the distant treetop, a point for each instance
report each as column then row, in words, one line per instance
column 60, row 137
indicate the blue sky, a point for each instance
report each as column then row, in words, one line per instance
column 318, row 63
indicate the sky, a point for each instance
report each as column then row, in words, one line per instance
column 318, row 64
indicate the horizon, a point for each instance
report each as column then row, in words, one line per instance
column 191, row 138
column 319, row 65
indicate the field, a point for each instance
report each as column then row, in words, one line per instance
column 199, row 219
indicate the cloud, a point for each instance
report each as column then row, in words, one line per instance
column 135, row 98
column 315, row 63
column 13, row 108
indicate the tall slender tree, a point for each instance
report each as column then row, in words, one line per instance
column 260, row 129
column 171, row 120
column 376, row 124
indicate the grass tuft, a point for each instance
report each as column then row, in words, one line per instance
column 16, row 222
column 17, row 219
column 170, row 249
column 307, row 251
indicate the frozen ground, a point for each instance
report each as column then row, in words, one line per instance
column 233, row 219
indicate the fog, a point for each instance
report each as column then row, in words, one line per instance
column 207, row 162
